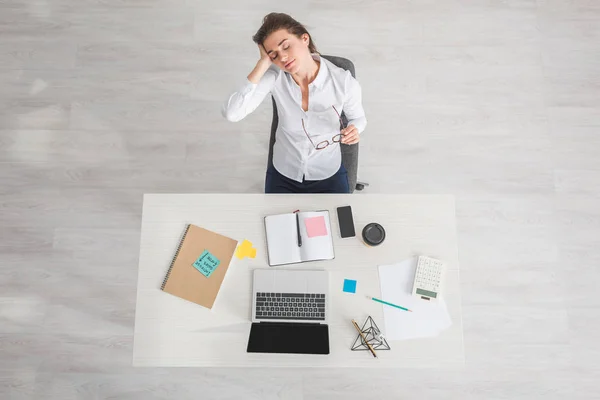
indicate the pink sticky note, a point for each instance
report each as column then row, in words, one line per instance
column 315, row 226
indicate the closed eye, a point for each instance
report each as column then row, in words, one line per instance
column 285, row 48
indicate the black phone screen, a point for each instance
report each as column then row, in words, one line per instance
column 346, row 221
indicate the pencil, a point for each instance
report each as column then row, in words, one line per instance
column 388, row 304
column 298, row 230
column 364, row 338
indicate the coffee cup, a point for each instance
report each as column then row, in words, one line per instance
column 373, row 234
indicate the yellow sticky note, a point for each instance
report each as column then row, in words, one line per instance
column 245, row 250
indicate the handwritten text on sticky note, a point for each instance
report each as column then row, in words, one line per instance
column 315, row 226
column 206, row 263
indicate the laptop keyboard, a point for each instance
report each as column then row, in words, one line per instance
column 298, row 306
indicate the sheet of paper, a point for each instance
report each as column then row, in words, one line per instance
column 315, row 226
column 282, row 239
column 316, row 247
column 426, row 320
column 206, row 263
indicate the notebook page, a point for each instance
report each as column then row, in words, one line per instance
column 317, row 247
column 282, row 239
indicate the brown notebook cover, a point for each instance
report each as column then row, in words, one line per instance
column 184, row 280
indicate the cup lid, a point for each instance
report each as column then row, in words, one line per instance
column 373, row 233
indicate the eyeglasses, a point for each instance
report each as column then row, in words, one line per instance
column 336, row 139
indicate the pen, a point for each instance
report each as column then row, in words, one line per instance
column 364, row 338
column 298, row 229
column 388, row 304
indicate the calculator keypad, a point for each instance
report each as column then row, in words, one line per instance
column 428, row 275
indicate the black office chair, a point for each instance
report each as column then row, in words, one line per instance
column 349, row 152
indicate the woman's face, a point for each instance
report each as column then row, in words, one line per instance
column 286, row 50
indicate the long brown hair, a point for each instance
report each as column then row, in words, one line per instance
column 275, row 21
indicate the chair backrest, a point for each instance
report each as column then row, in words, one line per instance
column 349, row 152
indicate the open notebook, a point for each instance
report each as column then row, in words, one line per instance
column 282, row 237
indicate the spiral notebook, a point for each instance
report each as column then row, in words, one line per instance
column 199, row 266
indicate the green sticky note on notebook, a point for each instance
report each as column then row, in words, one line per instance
column 206, row 263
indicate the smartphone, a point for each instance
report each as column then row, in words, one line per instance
column 346, row 221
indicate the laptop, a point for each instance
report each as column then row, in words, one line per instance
column 289, row 312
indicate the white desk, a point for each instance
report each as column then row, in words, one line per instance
column 173, row 332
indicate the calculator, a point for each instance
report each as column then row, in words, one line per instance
column 428, row 278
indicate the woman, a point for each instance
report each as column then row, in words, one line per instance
column 310, row 93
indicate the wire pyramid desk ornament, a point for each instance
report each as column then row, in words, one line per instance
column 373, row 335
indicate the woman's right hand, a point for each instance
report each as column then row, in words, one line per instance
column 264, row 57
column 263, row 64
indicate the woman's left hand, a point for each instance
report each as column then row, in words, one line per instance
column 350, row 135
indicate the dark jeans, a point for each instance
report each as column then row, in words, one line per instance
column 277, row 183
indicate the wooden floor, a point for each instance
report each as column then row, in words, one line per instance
column 494, row 101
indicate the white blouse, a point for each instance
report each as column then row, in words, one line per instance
column 294, row 156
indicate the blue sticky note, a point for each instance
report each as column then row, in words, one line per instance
column 206, row 263
column 349, row 286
